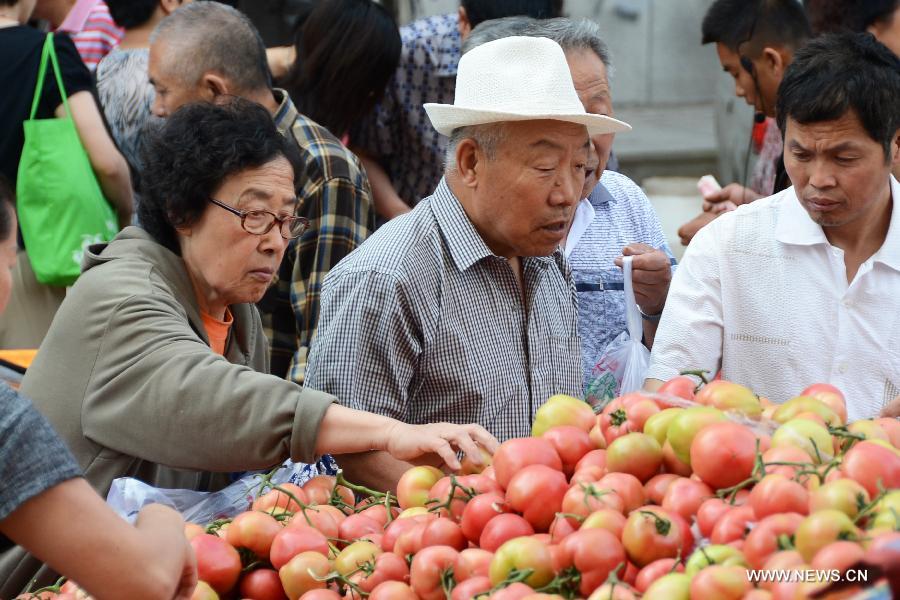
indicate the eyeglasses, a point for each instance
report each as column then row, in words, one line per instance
column 260, row 222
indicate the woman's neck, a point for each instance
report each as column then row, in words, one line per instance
column 139, row 37
column 9, row 16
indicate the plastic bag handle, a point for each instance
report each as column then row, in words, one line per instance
column 48, row 52
column 632, row 314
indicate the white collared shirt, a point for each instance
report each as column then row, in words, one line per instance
column 584, row 215
column 763, row 296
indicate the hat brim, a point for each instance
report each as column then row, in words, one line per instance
column 447, row 117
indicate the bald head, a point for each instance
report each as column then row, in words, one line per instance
column 209, row 37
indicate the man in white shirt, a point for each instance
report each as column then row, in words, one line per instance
column 804, row 286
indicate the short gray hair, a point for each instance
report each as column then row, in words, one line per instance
column 573, row 34
column 210, row 36
column 495, row 29
column 488, row 136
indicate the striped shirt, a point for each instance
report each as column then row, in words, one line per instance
column 335, row 196
column 398, row 131
column 93, row 30
column 621, row 215
column 424, row 323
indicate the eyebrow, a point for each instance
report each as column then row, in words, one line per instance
column 264, row 195
column 795, row 145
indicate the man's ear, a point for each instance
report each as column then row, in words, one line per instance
column 775, row 61
column 213, row 86
column 468, row 162
column 895, row 150
column 463, row 24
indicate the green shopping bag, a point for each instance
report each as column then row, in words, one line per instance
column 61, row 207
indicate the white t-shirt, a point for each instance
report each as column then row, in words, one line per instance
column 763, row 296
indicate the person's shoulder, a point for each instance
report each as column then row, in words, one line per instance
column 623, row 189
column 406, row 247
column 320, row 147
column 755, row 220
column 429, row 28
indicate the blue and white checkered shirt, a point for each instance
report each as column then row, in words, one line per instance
column 423, row 323
column 622, row 215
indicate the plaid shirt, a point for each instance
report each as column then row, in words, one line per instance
column 424, row 323
column 398, row 131
column 335, row 196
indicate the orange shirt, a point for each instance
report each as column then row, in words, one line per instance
column 217, row 331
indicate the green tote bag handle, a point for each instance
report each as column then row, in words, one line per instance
column 61, row 207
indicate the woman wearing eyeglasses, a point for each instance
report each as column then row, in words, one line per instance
column 155, row 366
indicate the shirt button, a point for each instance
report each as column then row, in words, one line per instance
column 842, row 368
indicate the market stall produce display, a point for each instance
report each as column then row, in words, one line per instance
column 693, row 492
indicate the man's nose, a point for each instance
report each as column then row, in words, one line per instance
column 821, row 175
column 158, row 109
column 566, row 188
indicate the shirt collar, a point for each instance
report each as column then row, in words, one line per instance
column 584, row 216
column 286, row 114
column 796, row 227
column 600, row 195
column 78, row 16
column 889, row 253
column 465, row 244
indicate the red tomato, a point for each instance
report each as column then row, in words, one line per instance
column 726, row 395
column 253, row 530
column 684, row 497
column 561, row 527
column 635, row 453
column 772, row 534
column 479, row 511
column 785, row 454
column 537, row 493
column 218, row 563
column 838, row 555
column 733, row 525
column 398, row 526
column 596, row 458
column 627, row 486
column 891, row 427
column 655, row 570
column 614, row 591
column 869, row 462
column 379, row 513
column 522, row 554
column 321, row 595
column 673, row 464
column 472, row 562
column 387, row 567
column 262, row 584
column 427, row 569
column 471, row 484
column 358, row 526
column 776, row 494
column 289, row 497
column 656, row 487
column 502, row 528
column 571, row 443
column 316, row 518
column 820, row 529
column 393, row 590
column 302, row 574
column 682, row 386
column 709, row 513
column 320, row 488
column 410, row 541
column 584, row 498
column 294, row 540
column 830, row 396
column 516, row 591
column 514, row 455
column 588, row 474
column 652, row 533
column 610, row 520
column 444, row 532
column 626, row 414
column 723, row 454
column 470, row 587
column 595, row 553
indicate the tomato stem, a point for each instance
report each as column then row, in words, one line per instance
column 701, row 373
column 662, row 525
column 359, row 489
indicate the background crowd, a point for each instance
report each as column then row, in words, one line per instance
column 394, row 243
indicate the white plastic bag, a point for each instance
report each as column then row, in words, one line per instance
column 622, row 366
column 127, row 496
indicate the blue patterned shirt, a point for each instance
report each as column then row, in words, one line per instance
column 622, row 215
column 398, row 132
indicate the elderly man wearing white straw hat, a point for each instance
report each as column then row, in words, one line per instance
column 463, row 310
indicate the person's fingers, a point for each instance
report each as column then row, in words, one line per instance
column 483, row 437
column 637, row 248
column 442, row 448
column 892, row 409
column 465, row 443
column 648, row 278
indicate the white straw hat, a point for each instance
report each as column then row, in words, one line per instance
column 516, row 79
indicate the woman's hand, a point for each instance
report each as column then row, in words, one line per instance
column 407, row 442
column 185, row 589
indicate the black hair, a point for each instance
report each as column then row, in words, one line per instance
column 484, row 10
column 194, row 151
column 747, row 26
column 830, row 16
column 347, row 51
column 842, row 72
column 7, row 203
column 131, row 13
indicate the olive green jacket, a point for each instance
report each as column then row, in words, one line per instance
column 127, row 377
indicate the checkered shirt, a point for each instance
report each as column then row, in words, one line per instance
column 398, row 131
column 424, row 323
column 335, row 196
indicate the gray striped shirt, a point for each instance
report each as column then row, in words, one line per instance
column 424, row 323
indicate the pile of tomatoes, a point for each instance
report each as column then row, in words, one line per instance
column 675, row 495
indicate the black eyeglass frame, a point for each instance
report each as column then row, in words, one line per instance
column 275, row 219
